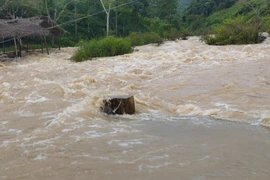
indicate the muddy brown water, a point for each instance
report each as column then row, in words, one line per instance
column 202, row 112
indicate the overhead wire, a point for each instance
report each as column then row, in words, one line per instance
column 80, row 18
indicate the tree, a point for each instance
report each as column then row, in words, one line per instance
column 12, row 9
column 161, row 9
column 107, row 11
column 55, row 8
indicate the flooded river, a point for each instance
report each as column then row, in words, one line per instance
column 202, row 112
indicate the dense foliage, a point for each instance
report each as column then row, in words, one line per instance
column 232, row 21
column 202, row 15
column 236, row 31
column 207, row 7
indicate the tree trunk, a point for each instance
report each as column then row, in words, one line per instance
column 108, row 15
column 118, row 105
column 116, row 23
column 75, row 23
column 108, row 19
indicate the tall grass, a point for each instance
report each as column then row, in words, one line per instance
column 108, row 46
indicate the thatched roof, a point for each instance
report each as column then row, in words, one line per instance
column 36, row 26
column 4, row 29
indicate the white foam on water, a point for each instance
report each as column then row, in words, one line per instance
column 186, row 163
column 126, row 143
column 76, row 138
column 108, row 130
column 87, row 104
column 123, row 144
column 158, row 166
column 35, row 144
column 5, row 93
column 94, row 134
column 26, row 139
column 95, row 126
column 194, row 110
column 14, row 131
column 48, row 115
column 6, row 85
column 165, row 156
column 36, row 100
column 6, row 142
column 24, row 113
column 226, row 106
column 40, row 157
column 125, row 129
column 265, row 118
column 67, row 130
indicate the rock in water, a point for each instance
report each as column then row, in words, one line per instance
column 118, row 105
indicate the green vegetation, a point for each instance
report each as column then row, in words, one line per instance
column 230, row 21
column 209, row 16
column 236, row 31
column 138, row 39
column 183, row 5
column 265, row 24
column 108, row 46
column 113, row 46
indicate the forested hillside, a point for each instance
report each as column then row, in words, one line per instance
column 204, row 14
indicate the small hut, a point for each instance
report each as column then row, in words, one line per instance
column 16, row 29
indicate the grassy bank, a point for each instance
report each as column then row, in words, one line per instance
column 113, row 46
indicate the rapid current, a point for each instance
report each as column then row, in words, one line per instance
column 202, row 112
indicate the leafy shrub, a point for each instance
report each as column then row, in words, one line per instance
column 152, row 37
column 174, row 34
column 67, row 42
column 266, row 23
column 171, row 34
column 138, row 39
column 235, row 31
column 108, row 46
column 80, row 55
